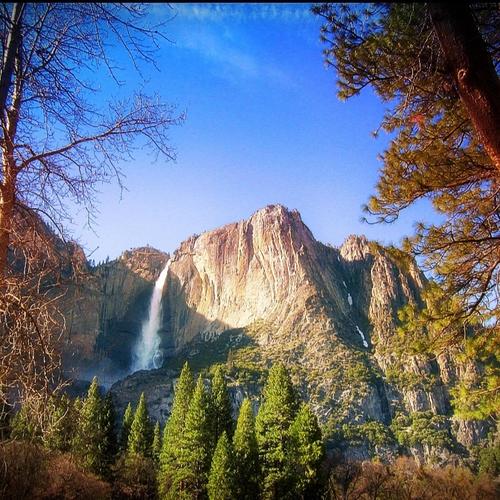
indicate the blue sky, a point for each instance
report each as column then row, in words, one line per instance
column 263, row 126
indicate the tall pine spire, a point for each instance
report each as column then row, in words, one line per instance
column 92, row 439
column 308, row 452
column 195, row 446
column 222, row 484
column 246, row 454
column 221, row 405
column 173, row 431
column 128, row 417
column 140, row 438
column 276, row 414
column 156, row 446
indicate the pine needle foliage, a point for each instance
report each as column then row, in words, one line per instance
column 222, row 483
column 195, row 447
column 94, row 436
column 141, row 432
column 156, row 446
column 221, row 405
column 275, row 416
column 173, row 432
column 246, row 453
column 128, row 417
column 308, row 453
column 435, row 153
column 61, row 424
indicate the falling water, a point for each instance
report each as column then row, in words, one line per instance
column 147, row 354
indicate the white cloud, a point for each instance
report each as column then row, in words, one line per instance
column 242, row 12
column 216, row 32
column 231, row 58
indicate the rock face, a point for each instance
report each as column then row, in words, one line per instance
column 105, row 313
column 271, row 268
column 261, row 290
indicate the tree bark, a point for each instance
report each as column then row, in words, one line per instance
column 472, row 70
column 9, row 125
column 7, row 200
column 13, row 42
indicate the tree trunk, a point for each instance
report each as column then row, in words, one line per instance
column 13, row 42
column 7, row 200
column 9, row 126
column 472, row 69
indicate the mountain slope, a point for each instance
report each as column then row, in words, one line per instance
column 261, row 290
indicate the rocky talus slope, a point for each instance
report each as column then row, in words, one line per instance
column 262, row 290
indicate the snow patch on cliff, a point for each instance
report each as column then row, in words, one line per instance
column 365, row 343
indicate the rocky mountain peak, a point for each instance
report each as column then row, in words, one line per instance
column 276, row 214
column 284, row 223
column 261, row 290
column 355, row 248
column 147, row 262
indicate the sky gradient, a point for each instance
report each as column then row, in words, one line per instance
column 263, row 126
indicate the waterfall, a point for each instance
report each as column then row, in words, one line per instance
column 147, row 355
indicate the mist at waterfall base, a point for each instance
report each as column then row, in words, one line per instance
column 147, row 354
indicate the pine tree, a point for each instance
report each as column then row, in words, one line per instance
column 108, row 427
column 61, row 427
column 22, row 426
column 439, row 151
column 77, row 406
column 173, row 431
column 140, row 438
column 128, row 417
column 246, row 454
column 221, row 405
column 272, row 425
column 308, row 452
column 91, row 443
column 156, row 446
column 222, row 479
column 195, row 447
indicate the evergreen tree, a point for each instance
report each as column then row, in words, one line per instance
column 61, row 424
column 156, row 446
column 221, row 405
column 22, row 426
column 108, row 427
column 435, row 151
column 174, row 429
column 246, row 454
column 308, row 452
column 128, row 417
column 195, row 447
column 222, row 479
column 140, row 438
column 91, row 443
column 439, row 150
column 272, row 425
column 77, row 406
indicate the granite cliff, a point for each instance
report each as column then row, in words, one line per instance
column 262, row 290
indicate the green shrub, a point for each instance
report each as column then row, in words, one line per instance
column 489, row 460
column 423, row 427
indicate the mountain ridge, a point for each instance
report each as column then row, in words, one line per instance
column 263, row 290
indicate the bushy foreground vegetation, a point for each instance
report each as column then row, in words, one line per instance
column 203, row 453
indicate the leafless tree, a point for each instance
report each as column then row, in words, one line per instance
column 344, row 481
column 56, row 142
column 59, row 141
